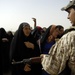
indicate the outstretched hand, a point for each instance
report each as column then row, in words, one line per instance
column 42, row 56
column 34, row 19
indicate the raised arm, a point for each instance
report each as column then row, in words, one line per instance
column 34, row 19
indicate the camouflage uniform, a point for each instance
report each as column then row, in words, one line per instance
column 63, row 51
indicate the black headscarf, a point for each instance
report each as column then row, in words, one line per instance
column 18, row 50
column 3, row 33
column 45, row 35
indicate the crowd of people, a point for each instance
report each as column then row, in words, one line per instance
column 54, row 45
column 26, row 43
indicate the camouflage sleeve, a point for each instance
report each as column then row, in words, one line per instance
column 72, row 55
column 54, row 63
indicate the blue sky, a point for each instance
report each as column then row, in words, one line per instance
column 47, row 12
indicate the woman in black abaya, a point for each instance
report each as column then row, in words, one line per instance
column 4, row 50
column 24, row 46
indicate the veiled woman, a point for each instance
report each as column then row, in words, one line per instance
column 4, row 50
column 48, row 40
column 24, row 46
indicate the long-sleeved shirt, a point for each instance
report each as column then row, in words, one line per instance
column 63, row 51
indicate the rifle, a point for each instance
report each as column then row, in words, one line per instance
column 29, row 60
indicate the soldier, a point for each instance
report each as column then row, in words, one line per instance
column 62, row 54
